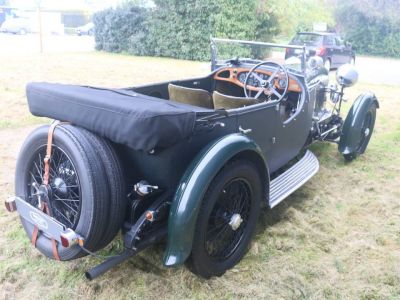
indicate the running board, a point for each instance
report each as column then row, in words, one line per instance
column 293, row 178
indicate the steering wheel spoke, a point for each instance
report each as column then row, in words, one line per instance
column 267, row 86
column 275, row 92
column 259, row 93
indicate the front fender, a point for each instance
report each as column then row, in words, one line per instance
column 351, row 131
column 191, row 190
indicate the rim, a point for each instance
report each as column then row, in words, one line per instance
column 365, row 130
column 228, row 220
column 64, row 193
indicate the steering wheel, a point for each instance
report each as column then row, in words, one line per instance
column 266, row 86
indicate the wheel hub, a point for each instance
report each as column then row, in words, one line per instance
column 366, row 132
column 60, row 186
column 235, row 222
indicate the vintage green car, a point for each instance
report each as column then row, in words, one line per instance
column 188, row 162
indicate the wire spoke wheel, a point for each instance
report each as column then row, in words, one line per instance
column 81, row 193
column 65, row 193
column 227, row 219
column 233, row 205
column 366, row 130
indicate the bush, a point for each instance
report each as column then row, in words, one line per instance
column 181, row 29
column 116, row 28
column 370, row 28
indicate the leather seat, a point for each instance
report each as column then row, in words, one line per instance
column 196, row 97
column 222, row 101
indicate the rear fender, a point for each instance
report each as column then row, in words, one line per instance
column 194, row 184
column 351, row 131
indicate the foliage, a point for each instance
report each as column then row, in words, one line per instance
column 182, row 29
column 115, row 28
column 300, row 15
column 371, row 26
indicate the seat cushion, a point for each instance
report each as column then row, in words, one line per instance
column 196, row 97
column 222, row 101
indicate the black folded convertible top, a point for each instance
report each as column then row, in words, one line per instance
column 123, row 116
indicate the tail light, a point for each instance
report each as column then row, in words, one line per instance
column 320, row 51
column 69, row 238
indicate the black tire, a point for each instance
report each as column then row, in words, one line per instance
column 206, row 260
column 80, row 161
column 368, row 123
column 116, row 184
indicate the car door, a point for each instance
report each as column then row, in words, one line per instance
column 329, row 44
column 341, row 50
column 259, row 123
column 292, row 133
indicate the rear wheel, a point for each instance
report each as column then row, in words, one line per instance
column 79, row 194
column 227, row 219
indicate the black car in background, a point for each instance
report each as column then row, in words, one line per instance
column 333, row 50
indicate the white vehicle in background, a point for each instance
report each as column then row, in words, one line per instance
column 17, row 26
column 87, row 29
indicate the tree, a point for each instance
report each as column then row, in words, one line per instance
column 371, row 26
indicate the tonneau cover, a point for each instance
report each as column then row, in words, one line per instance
column 123, row 116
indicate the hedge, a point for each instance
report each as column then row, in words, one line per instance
column 181, row 29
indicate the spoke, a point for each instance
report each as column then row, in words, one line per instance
column 273, row 75
column 73, row 194
column 275, row 92
column 70, row 207
column 62, row 215
column 256, row 76
column 38, row 171
column 259, row 93
column 216, row 227
column 33, row 177
column 220, row 233
column 70, row 200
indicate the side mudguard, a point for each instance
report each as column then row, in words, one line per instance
column 194, row 184
column 351, row 131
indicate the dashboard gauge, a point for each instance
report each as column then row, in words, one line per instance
column 282, row 83
column 242, row 77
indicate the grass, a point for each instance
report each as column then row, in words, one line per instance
column 337, row 237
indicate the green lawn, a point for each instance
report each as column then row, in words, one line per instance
column 338, row 237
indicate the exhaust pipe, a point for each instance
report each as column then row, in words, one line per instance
column 109, row 264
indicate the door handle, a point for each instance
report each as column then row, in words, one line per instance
column 245, row 131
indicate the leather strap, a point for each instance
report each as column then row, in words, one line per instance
column 47, row 158
column 35, row 235
column 46, row 176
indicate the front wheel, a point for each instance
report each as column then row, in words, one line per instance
column 227, row 219
column 365, row 134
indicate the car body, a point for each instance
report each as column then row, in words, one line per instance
column 188, row 161
column 16, row 26
column 87, row 29
column 329, row 46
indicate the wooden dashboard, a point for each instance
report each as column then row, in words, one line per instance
column 237, row 76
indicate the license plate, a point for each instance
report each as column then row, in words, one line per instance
column 48, row 225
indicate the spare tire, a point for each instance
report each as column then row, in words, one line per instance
column 116, row 183
column 80, row 195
